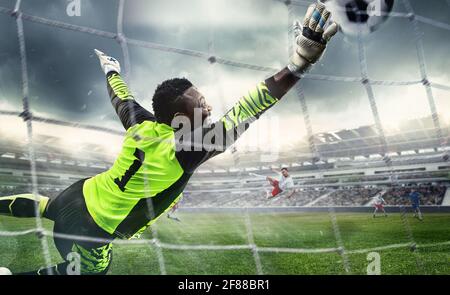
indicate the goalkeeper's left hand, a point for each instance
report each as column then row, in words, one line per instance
column 108, row 63
column 312, row 39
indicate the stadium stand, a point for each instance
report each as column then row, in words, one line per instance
column 249, row 199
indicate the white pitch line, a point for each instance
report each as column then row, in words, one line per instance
column 17, row 233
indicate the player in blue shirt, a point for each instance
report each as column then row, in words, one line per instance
column 414, row 196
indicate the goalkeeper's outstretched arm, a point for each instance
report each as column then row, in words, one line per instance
column 311, row 39
column 128, row 110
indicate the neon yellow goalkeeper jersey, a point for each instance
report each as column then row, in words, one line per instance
column 152, row 169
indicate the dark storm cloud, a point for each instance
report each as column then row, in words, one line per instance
column 66, row 82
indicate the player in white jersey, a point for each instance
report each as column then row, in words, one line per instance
column 378, row 203
column 283, row 184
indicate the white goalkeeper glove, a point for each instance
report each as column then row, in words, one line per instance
column 311, row 40
column 108, row 63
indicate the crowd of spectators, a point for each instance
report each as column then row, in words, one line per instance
column 430, row 194
column 254, row 198
column 27, row 189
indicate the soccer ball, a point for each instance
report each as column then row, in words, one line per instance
column 354, row 16
column 5, row 272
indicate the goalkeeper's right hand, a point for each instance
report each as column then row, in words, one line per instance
column 311, row 40
column 108, row 63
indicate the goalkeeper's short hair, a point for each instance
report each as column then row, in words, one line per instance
column 165, row 103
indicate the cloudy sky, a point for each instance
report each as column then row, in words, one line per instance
column 67, row 83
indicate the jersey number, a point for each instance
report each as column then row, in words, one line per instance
column 121, row 183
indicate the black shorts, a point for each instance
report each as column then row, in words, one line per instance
column 76, row 232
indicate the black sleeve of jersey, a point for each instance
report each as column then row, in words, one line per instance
column 129, row 111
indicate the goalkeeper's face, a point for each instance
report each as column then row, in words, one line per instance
column 192, row 99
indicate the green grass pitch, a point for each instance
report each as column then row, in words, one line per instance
column 285, row 230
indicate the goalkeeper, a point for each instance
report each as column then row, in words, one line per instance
column 158, row 156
